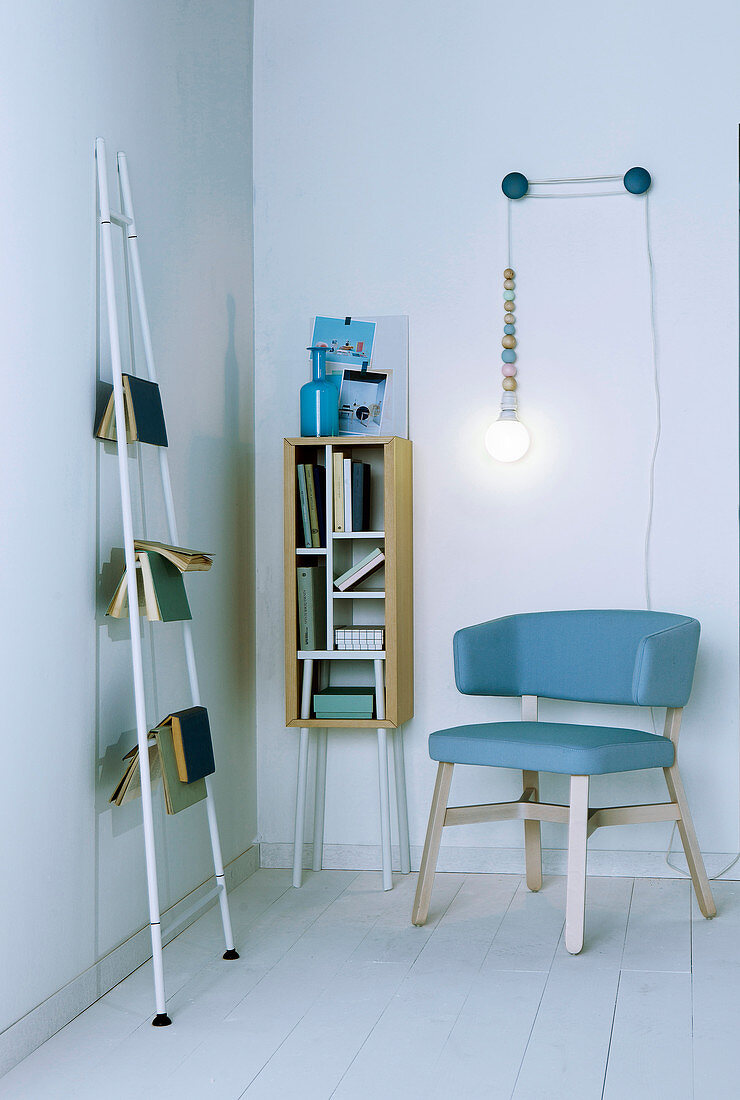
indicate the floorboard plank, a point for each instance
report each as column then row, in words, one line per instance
column 659, row 928
column 650, row 1051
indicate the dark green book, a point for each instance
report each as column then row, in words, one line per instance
column 191, row 737
column 142, row 405
column 164, row 589
column 311, row 606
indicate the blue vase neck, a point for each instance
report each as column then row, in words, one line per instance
column 318, row 364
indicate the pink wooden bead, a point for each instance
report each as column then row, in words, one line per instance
column 508, row 370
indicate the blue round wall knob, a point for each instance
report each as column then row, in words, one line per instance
column 637, row 181
column 515, row 185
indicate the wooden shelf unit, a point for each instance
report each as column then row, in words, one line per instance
column 391, row 518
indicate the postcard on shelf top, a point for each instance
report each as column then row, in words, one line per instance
column 349, row 342
column 372, row 401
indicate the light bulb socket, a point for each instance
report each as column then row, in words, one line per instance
column 509, row 406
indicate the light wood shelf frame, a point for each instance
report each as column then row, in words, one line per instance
column 392, row 667
column 397, row 534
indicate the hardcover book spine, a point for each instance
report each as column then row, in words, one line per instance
column 305, row 609
column 338, row 488
column 313, row 512
column 357, row 496
column 366, row 496
column 303, row 498
column 319, row 485
column 318, row 583
column 348, row 494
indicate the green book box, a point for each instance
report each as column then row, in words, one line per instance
column 344, row 702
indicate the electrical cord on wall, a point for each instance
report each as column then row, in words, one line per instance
column 651, row 502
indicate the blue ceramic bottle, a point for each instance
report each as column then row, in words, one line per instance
column 319, row 399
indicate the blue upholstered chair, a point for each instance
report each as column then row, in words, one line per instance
column 639, row 658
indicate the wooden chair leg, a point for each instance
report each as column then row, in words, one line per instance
column 575, row 901
column 532, row 837
column 686, row 831
column 437, row 812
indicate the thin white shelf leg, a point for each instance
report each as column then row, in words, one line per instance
column 385, row 807
column 399, row 770
column 134, row 263
column 300, row 800
column 142, row 732
column 319, row 800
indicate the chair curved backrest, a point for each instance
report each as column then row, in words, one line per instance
column 645, row 658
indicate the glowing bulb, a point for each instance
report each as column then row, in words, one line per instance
column 507, row 439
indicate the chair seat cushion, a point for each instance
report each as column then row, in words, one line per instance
column 552, row 747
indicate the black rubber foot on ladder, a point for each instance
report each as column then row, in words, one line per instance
column 232, row 953
column 161, row 1020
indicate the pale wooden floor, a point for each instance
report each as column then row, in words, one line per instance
column 337, row 995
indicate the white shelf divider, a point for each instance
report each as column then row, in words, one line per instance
column 341, row 654
column 359, row 595
column 358, row 534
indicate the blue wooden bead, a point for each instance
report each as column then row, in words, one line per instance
column 509, row 295
column 508, row 356
column 509, row 329
column 515, row 185
column 637, row 181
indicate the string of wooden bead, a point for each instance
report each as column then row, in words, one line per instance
column 508, row 342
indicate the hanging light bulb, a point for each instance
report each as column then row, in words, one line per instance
column 507, row 439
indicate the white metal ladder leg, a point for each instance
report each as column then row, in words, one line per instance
column 142, row 732
column 125, row 220
column 132, row 247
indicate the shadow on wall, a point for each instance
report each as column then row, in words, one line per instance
column 228, row 460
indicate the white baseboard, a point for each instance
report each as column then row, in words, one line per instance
column 610, row 863
column 38, row 1025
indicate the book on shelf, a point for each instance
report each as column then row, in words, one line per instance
column 359, row 637
column 160, row 588
column 347, row 478
column 319, row 484
column 338, row 489
column 311, row 606
column 360, row 570
column 162, row 765
column 360, row 496
column 303, row 501
column 129, row 786
column 142, row 406
column 313, row 512
column 187, row 561
column 191, row 740
column 316, row 494
column 177, row 795
column 312, row 499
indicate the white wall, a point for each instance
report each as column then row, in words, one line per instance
column 171, row 84
column 382, row 133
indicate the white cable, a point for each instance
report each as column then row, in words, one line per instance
column 658, row 418
column 580, row 195
column 508, row 232
column 649, row 525
column 576, row 179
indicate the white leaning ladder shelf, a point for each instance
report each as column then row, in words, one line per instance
column 125, row 221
